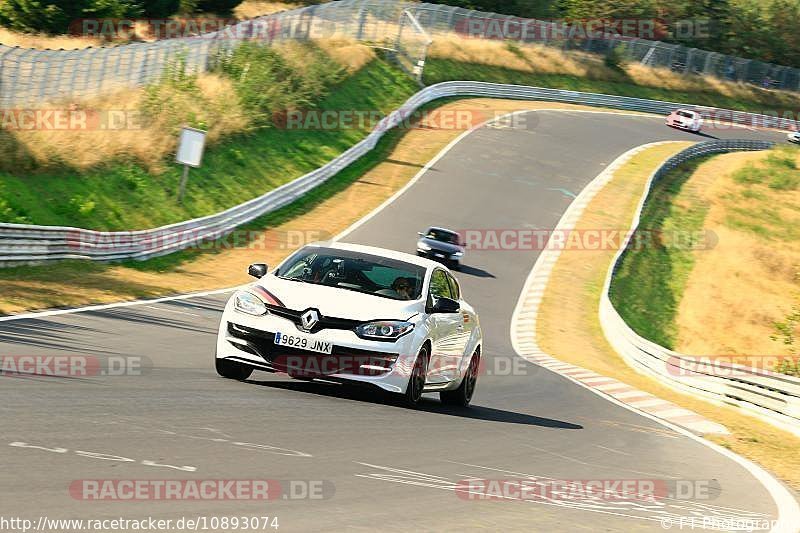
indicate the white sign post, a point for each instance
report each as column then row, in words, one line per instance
column 190, row 153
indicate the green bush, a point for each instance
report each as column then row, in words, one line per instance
column 55, row 16
column 268, row 85
column 616, row 57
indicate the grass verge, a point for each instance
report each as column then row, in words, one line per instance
column 738, row 97
column 568, row 326
column 647, row 288
column 726, row 270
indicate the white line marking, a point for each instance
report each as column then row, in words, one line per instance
column 172, row 311
column 787, row 506
column 103, row 307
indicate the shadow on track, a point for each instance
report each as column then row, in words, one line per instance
column 373, row 396
column 474, row 271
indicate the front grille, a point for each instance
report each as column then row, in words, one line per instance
column 303, row 363
column 325, row 322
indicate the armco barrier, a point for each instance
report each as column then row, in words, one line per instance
column 767, row 394
column 22, row 243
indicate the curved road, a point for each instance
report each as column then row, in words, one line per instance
column 382, row 466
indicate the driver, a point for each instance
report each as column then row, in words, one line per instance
column 403, row 287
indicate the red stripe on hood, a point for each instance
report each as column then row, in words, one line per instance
column 268, row 296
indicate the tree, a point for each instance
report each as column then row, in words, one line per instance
column 55, row 16
column 217, row 6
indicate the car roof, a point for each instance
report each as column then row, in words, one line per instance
column 445, row 230
column 381, row 252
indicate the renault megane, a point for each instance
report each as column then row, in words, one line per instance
column 351, row 313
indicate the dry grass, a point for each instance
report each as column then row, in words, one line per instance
column 145, row 139
column 257, row 8
column 738, row 290
column 41, row 41
column 149, row 138
column 347, row 52
column 568, row 325
column 537, row 58
column 526, row 58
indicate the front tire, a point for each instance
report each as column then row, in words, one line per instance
column 462, row 396
column 233, row 370
column 416, row 381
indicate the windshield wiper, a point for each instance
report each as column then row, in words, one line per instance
column 301, row 280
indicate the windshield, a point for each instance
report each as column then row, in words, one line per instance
column 353, row 271
column 442, row 236
column 687, row 114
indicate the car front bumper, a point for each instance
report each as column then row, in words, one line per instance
column 250, row 340
column 436, row 255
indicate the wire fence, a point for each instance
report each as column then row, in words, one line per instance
column 30, row 76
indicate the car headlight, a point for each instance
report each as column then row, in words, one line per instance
column 384, row 331
column 423, row 246
column 249, row 303
column 458, row 254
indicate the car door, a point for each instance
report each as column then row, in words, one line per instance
column 444, row 331
column 465, row 324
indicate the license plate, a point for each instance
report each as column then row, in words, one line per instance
column 303, row 342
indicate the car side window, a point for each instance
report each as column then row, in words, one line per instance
column 455, row 290
column 440, row 287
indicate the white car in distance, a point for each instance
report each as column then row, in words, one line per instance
column 685, row 119
column 355, row 314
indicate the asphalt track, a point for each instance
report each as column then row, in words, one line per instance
column 390, row 468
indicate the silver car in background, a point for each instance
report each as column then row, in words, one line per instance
column 442, row 245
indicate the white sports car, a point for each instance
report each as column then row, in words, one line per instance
column 794, row 137
column 350, row 313
column 686, row 120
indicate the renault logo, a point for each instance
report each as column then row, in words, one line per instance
column 309, row 319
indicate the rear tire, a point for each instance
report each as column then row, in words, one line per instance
column 462, row 396
column 416, row 381
column 233, row 370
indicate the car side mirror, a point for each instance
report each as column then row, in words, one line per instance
column 446, row 306
column 420, row 234
column 257, row 270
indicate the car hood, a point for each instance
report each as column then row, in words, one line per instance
column 338, row 303
column 443, row 246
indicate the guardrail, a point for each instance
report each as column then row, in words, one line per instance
column 25, row 244
column 768, row 394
